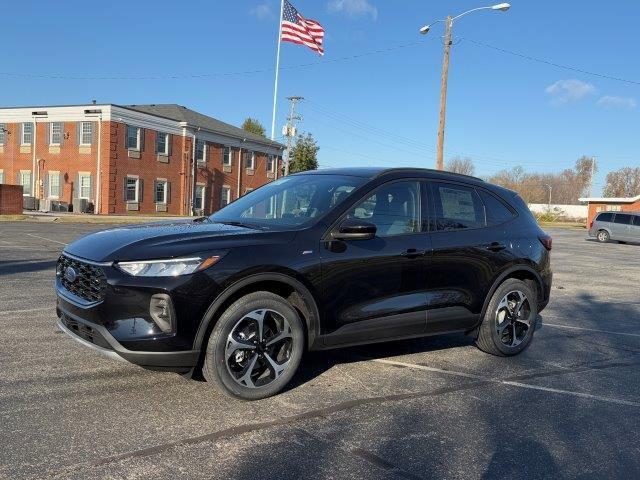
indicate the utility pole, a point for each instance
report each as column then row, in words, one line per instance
column 593, row 171
column 443, row 92
column 290, row 129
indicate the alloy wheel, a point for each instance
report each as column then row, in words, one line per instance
column 258, row 349
column 513, row 318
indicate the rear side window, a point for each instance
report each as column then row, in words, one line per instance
column 457, row 207
column 622, row 219
column 605, row 217
column 497, row 212
column 636, row 220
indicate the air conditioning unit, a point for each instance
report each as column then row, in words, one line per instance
column 80, row 205
column 30, row 203
column 46, row 205
column 57, row 206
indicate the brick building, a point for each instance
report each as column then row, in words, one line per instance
column 137, row 158
column 622, row 204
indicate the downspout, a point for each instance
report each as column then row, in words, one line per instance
column 193, row 174
column 96, row 210
column 240, row 169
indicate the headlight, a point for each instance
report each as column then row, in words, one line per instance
column 167, row 268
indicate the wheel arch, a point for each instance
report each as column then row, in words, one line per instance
column 520, row 272
column 281, row 284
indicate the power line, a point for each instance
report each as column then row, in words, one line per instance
column 551, row 63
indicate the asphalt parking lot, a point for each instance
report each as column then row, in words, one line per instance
column 568, row 407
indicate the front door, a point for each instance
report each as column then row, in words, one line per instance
column 376, row 288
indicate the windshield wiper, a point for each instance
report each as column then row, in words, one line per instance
column 236, row 223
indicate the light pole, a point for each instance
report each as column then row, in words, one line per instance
column 448, row 26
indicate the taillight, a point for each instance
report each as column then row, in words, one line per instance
column 591, row 225
column 546, row 241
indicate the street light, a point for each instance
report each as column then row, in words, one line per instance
column 502, row 7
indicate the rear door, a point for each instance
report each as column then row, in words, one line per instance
column 635, row 229
column 469, row 249
column 621, row 226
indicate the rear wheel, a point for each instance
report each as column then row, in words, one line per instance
column 255, row 348
column 603, row 236
column 509, row 321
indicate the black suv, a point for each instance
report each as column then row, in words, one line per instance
column 311, row 261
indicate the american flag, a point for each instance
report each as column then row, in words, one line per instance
column 297, row 29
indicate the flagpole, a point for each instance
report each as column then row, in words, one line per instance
column 275, row 88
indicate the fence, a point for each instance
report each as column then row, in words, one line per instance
column 560, row 212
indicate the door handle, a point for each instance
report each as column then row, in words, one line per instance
column 496, row 246
column 413, row 253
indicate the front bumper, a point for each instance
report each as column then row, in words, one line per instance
column 97, row 338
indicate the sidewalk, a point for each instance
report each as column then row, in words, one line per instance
column 64, row 217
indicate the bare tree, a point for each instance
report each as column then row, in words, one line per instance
column 623, row 183
column 461, row 165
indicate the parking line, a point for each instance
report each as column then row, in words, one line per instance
column 28, row 310
column 572, row 393
column 571, row 327
column 45, row 238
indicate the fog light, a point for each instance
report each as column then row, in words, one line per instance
column 162, row 312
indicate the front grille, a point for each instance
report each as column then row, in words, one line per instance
column 85, row 332
column 90, row 282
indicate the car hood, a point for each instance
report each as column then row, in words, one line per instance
column 169, row 240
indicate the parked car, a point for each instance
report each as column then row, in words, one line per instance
column 312, row 261
column 620, row 226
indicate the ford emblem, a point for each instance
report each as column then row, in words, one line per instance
column 70, row 274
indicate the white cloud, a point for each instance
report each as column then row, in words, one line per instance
column 610, row 101
column 262, row 11
column 569, row 91
column 354, row 8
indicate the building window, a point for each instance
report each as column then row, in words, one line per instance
column 201, row 148
column 162, row 143
column 54, row 185
column 25, row 181
column 225, row 196
column 131, row 191
column 84, row 189
column 86, row 133
column 132, row 140
column 271, row 163
column 248, row 190
column 161, row 191
column 226, row 156
column 55, row 133
column 198, row 202
column 249, row 160
column 3, row 133
column 27, row 134
column 1, row 177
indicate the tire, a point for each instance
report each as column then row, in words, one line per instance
column 603, row 236
column 261, row 370
column 500, row 324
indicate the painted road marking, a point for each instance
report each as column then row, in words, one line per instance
column 608, row 332
column 45, row 238
column 28, row 310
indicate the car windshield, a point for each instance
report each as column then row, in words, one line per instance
column 290, row 202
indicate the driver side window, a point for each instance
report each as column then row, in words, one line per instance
column 394, row 209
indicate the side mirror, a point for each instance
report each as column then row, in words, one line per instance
column 355, row 229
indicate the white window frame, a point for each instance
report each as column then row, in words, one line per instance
column 164, row 191
column 166, row 143
column 253, row 160
column 195, row 196
column 272, row 159
column 22, row 174
column 81, row 176
column 22, row 134
column 1, row 176
column 138, row 129
column 204, row 151
column 55, row 175
column 225, row 201
column 3, row 133
column 137, row 191
column 227, row 161
column 51, row 142
column 83, row 133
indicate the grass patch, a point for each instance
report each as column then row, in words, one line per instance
column 558, row 224
column 13, row 218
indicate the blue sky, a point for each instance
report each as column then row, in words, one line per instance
column 372, row 109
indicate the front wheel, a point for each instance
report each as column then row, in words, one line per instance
column 255, row 348
column 509, row 321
